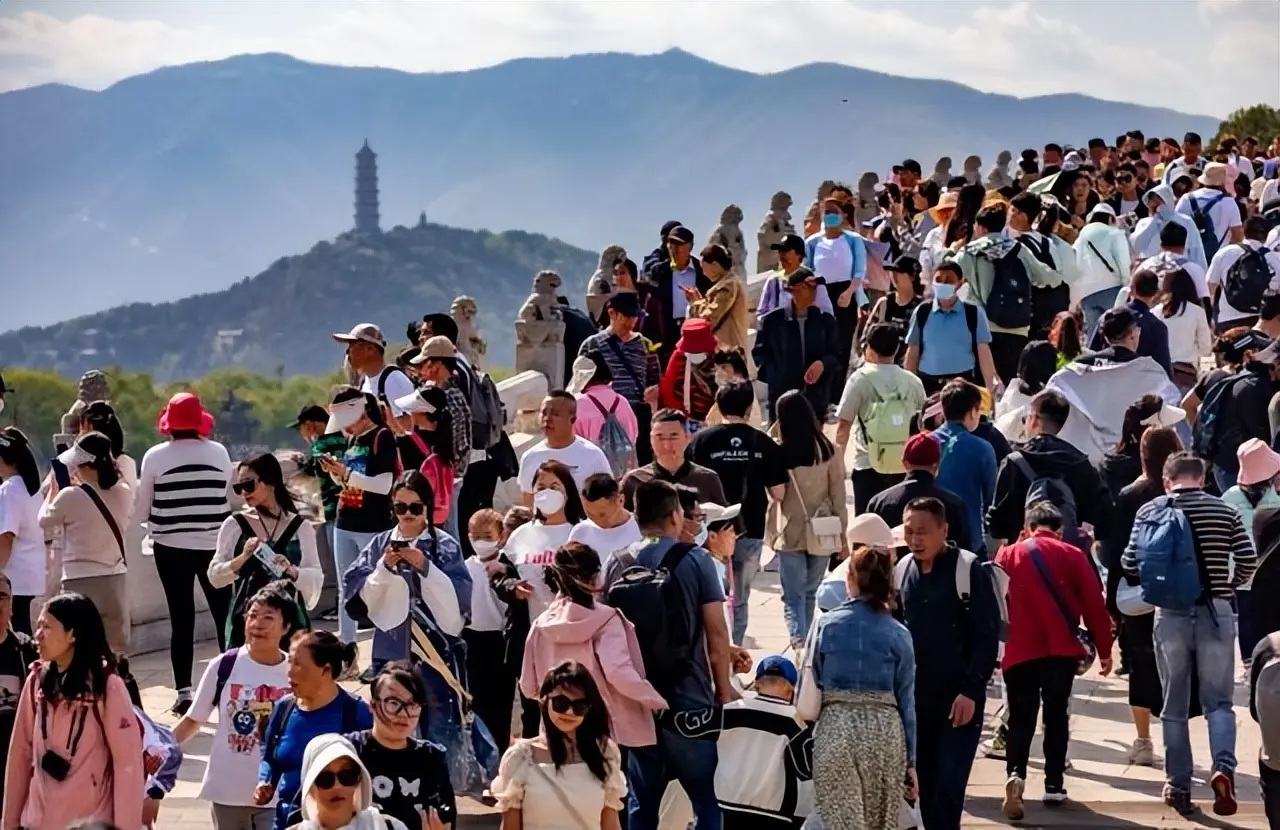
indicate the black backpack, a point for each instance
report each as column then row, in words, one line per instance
column 1009, row 302
column 1247, row 279
column 1215, row 429
column 1046, row 303
column 650, row 598
column 923, row 311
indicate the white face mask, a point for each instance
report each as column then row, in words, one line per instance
column 701, row 539
column 484, row 548
column 547, row 502
column 695, row 359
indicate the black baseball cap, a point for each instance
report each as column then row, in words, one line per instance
column 789, row 242
column 905, row 265
column 681, row 234
column 803, row 274
column 908, row 165
column 309, row 415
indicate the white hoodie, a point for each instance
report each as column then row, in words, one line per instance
column 322, row 751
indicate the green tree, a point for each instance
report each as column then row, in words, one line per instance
column 1260, row 121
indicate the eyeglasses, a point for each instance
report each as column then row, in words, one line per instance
column 1123, row 179
column 563, row 705
column 395, row 707
column 244, row 488
column 347, row 777
column 416, row 508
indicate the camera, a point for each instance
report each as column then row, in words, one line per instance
column 55, row 766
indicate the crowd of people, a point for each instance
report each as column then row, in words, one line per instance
column 1055, row 401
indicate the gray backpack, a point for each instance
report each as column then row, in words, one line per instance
column 613, row 440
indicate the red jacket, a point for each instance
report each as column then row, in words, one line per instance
column 1036, row 626
column 702, row 395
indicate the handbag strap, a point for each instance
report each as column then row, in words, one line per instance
column 425, row 651
column 106, row 514
column 1043, row 570
column 561, row 796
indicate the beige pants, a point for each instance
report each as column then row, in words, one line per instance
column 111, row 595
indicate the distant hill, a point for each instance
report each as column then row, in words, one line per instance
column 281, row 320
column 186, row 179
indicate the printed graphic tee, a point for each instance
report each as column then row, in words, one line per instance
column 371, row 454
column 409, row 781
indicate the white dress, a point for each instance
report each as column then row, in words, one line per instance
column 531, row 787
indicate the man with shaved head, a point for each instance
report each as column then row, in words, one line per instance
column 560, row 443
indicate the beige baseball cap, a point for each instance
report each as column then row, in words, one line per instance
column 363, row 333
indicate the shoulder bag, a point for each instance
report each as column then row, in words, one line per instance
column 823, row 532
column 106, row 514
column 1081, row 635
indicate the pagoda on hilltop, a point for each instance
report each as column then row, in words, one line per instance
column 367, row 191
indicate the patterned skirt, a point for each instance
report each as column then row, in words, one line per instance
column 859, row 761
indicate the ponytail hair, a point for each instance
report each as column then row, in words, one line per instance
column 15, row 450
column 573, row 573
column 871, row 572
column 267, row 468
column 99, row 416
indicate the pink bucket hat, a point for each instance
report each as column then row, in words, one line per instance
column 185, row 413
column 1258, row 462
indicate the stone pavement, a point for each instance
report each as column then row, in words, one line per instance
column 1105, row 791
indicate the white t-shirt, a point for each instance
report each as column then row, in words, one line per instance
column 583, row 458
column 247, row 698
column 1273, row 239
column 832, row 259
column 1221, row 264
column 531, row 548
column 606, row 542
column 488, row 613
column 20, row 515
column 1225, row 213
column 397, row 386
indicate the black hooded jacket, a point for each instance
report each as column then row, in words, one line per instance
column 1049, row 455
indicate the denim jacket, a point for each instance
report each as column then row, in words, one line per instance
column 862, row 650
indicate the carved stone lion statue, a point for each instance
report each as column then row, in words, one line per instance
column 729, row 234
column 470, row 343
column 999, row 176
column 942, row 172
column 540, row 319
column 973, row 169
column 600, row 285
column 866, row 196
column 776, row 224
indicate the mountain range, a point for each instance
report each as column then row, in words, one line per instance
column 187, row 179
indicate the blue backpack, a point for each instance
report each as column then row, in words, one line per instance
column 1204, row 223
column 1165, row 547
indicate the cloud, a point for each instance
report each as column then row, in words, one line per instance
column 1015, row 48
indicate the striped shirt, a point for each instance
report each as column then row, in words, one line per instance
column 1220, row 539
column 632, row 362
column 182, row 493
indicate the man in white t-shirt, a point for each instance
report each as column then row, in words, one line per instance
column 1212, row 200
column 1255, row 233
column 609, row 527
column 242, row 686
column 367, row 354
column 559, row 443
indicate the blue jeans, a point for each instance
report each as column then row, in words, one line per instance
column 746, row 564
column 690, row 761
column 800, row 574
column 1094, row 306
column 1207, row 635
column 347, row 545
column 451, row 526
column 1224, row 478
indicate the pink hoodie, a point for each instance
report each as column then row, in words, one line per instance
column 601, row 639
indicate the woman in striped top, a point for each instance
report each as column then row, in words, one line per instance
column 183, row 499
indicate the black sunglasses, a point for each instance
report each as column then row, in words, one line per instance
column 417, row 508
column 347, row 777
column 244, row 488
column 563, row 705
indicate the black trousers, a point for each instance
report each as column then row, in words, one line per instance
column 1269, row 780
column 868, row 483
column 21, row 620
column 644, row 417
column 476, row 494
column 846, row 329
column 492, row 688
column 944, row 759
column 934, row 383
column 1006, row 351
column 179, row 570
column 1027, row 685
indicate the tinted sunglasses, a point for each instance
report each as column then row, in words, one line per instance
column 1124, row 179
column 244, row 488
column 347, row 777
column 417, row 508
column 563, row 705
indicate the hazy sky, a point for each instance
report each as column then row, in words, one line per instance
column 1202, row 56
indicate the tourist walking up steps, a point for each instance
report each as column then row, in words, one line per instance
column 182, row 498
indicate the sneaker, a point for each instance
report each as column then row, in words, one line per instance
column 1142, row 753
column 1012, row 808
column 1054, row 796
column 995, row 748
column 1223, row 785
column 1179, row 800
column 182, row 704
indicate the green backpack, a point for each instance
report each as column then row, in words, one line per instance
column 887, row 426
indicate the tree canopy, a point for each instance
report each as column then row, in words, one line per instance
column 1260, row 121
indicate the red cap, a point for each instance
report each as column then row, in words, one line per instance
column 922, row 450
column 696, row 337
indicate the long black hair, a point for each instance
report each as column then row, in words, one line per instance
column 592, row 734
column 1180, row 291
column 1131, row 431
column 1036, row 364
column 803, row 444
column 440, row 440
column 93, row 661
column 267, row 468
column 968, row 203
column 15, row 450
column 99, row 416
column 420, row 486
column 573, row 511
column 573, row 572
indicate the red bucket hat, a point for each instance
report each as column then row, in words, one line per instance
column 185, row 413
column 696, row 337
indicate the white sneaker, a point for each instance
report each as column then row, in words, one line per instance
column 1142, row 753
column 1012, row 808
